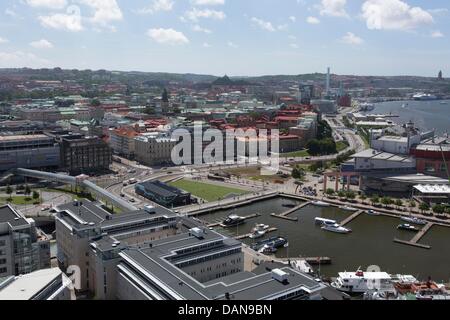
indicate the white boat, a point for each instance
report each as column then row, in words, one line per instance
column 414, row 220
column 373, row 213
column 323, row 221
column 259, row 231
column 444, row 102
column 348, row 208
column 424, row 97
column 362, row 282
column 302, row 265
column 336, row 228
column 320, row 204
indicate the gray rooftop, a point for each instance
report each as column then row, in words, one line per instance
column 9, row 215
column 158, row 261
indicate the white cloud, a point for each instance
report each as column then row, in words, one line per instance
column 293, row 19
column 197, row 28
column 105, row 11
column 157, row 5
column 21, row 59
column 195, row 14
column 351, row 38
column 207, row 2
column 167, row 36
column 333, row 8
column 11, row 13
column 3, row 40
column 394, row 15
column 62, row 21
column 312, row 20
column 206, row 45
column 41, row 44
column 437, row 34
column 292, row 37
column 51, row 4
column 265, row 25
column 294, row 46
column 232, row 45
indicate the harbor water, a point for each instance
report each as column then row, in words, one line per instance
column 370, row 243
column 426, row 115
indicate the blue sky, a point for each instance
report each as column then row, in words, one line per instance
column 236, row 37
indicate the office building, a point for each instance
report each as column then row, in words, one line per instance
column 48, row 284
column 122, row 141
column 28, row 151
column 23, row 248
column 84, row 154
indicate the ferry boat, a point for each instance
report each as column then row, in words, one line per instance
column 407, row 227
column 323, row 221
column 348, row 208
column 414, row 220
column 320, row 204
column 360, row 282
column 336, row 228
column 373, row 213
column 259, row 231
column 233, row 220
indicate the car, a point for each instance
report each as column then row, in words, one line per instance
column 122, row 195
column 132, row 200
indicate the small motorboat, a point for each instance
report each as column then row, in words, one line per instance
column 336, row 228
column 268, row 249
column 323, row 221
column 320, row 204
column 348, row 208
column 373, row 213
column 233, row 220
column 414, row 220
column 407, row 227
column 259, row 231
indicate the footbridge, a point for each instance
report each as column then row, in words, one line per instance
column 79, row 181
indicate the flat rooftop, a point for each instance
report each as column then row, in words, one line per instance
column 157, row 261
column 381, row 155
column 27, row 286
column 9, row 215
column 30, row 137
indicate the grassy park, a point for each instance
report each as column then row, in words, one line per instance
column 206, row 191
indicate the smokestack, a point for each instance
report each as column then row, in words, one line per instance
column 328, row 81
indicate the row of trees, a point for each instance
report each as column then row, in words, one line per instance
column 388, row 201
column 26, row 191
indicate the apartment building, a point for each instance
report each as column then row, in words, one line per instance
column 154, row 149
column 23, row 248
column 122, row 141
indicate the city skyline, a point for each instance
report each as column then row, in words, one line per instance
column 251, row 38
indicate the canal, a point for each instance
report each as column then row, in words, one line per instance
column 370, row 243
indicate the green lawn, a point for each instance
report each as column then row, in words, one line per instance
column 340, row 146
column 296, row 154
column 19, row 200
column 206, row 191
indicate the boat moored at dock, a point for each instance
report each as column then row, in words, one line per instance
column 408, row 227
column 336, row 228
column 233, row 220
column 414, row 220
column 320, row 204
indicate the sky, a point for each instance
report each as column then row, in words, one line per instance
column 234, row 37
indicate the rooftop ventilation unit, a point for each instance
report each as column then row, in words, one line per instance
column 150, row 209
column 197, row 232
column 280, row 276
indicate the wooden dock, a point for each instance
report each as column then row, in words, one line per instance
column 351, row 218
column 415, row 240
column 245, row 236
column 284, row 217
column 311, row 260
column 286, row 213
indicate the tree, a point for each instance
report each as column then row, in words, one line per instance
column 36, row 195
column 96, row 103
column 424, row 207
column 363, row 197
column 330, row 192
column 9, row 191
column 386, row 201
column 375, row 199
column 298, row 173
column 27, row 190
column 439, row 209
column 399, row 203
column 342, row 194
column 350, row 195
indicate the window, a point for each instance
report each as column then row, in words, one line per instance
column 2, row 243
column 3, row 270
column 2, row 261
column 2, row 252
